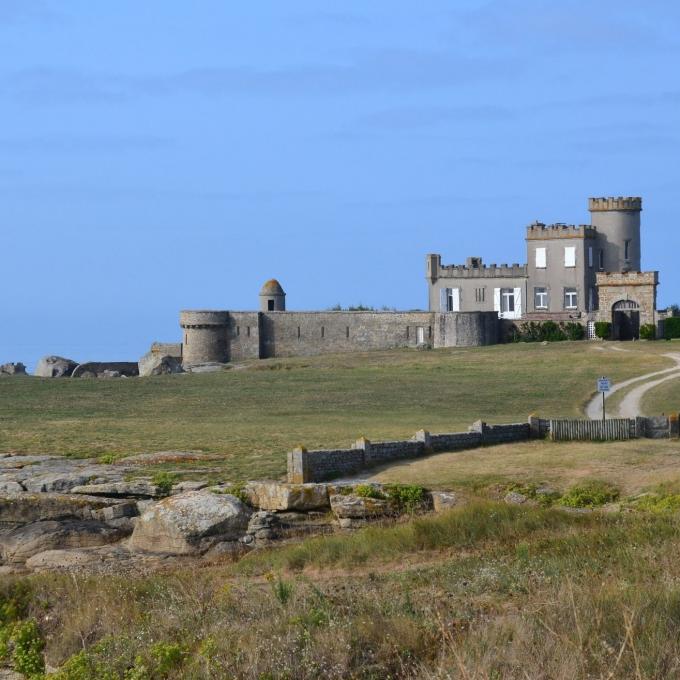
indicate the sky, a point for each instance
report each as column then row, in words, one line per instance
column 163, row 155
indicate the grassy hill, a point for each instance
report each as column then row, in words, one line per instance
column 250, row 416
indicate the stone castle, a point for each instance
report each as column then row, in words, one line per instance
column 581, row 273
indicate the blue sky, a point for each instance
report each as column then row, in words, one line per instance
column 161, row 155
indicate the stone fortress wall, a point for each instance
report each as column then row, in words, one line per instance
column 235, row 336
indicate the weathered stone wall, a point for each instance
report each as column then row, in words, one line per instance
column 317, row 466
column 243, row 336
column 287, row 334
column 466, row 329
column 170, row 349
column 205, row 337
column 638, row 287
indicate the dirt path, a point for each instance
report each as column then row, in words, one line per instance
column 630, row 404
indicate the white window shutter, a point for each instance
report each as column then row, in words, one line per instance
column 540, row 258
column 443, row 292
column 455, row 294
column 569, row 256
column 497, row 300
column 518, row 303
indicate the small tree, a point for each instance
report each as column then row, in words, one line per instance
column 648, row 331
column 603, row 329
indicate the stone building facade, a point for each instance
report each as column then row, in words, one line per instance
column 584, row 273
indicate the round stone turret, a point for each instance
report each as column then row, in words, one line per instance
column 272, row 297
column 205, row 337
column 617, row 220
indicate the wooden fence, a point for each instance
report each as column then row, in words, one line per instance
column 615, row 429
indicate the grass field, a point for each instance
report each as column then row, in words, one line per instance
column 663, row 399
column 633, row 466
column 251, row 417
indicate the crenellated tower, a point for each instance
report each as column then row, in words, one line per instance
column 618, row 227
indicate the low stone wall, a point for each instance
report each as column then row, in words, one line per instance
column 321, row 465
column 96, row 368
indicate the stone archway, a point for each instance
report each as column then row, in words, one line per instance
column 626, row 320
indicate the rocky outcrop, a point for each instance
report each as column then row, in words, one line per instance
column 57, row 482
column 136, row 488
column 282, row 497
column 23, row 508
column 443, row 500
column 55, row 367
column 12, row 369
column 157, row 364
column 190, row 523
column 263, row 526
column 106, row 369
column 28, row 540
column 358, row 507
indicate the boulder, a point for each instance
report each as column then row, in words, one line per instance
column 28, row 540
column 55, row 367
column 12, row 369
column 50, row 560
column 515, row 498
column 159, row 364
column 106, row 373
column 282, row 497
column 190, row 523
column 10, row 486
column 358, row 507
column 443, row 500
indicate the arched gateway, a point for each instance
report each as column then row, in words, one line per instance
column 626, row 320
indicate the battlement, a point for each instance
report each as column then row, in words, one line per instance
column 203, row 318
column 539, row 231
column 614, row 203
column 627, row 278
column 483, row 271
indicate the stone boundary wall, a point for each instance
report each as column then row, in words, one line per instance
column 322, row 465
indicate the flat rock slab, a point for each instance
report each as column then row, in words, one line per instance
column 23, row 508
column 190, row 523
column 139, row 488
column 24, row 542
column 275, row 496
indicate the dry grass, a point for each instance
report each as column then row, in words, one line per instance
column 632, row 466
column 251, row 417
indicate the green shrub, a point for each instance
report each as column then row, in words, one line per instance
column 574, row 331
column 648, row 331
column 167, row 657
column 107, row 459
column 27, row 655
column 671, row 327
column 659, row 502
column 368, row 491
column 589, row 495
column 552, row 332
column 283, row 590
column 406, row 497
column 603, row 329
column 164, row 481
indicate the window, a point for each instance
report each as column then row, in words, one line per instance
column 541, row 298
column 186, row 338
column 626, row 248
column 323, row 331
column 238, row 330
column 601, row 263
column 248, row 331
column 570, row 298
column 420, row 335
column 479, row 294
column 450, row 300
column 347, row 331
column 298, row 332
column 540, row 258
column 590, row 256
column 570, row 256
column 270, row 305
column 507, row 300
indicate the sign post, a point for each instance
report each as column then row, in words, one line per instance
column 604, row 384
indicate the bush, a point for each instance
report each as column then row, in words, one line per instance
column 603, row 329
column 368, row 491
column 406, row 497
column 671, row 327
column 28, row 649
column 589, row 495
column 648, row 331
column 574, row 331
column 164, row 481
